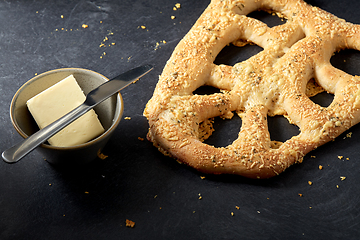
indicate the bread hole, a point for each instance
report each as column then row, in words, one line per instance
column 231, row 54
column 347, row 60
column 225, row 132
column 206, row 90
column 324, row 99
column 268, row 17
column 317, row 94
column 281, row 130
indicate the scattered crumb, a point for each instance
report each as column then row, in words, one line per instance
column 86, row 192
column 313, row 156
column 62, row 16
column 84, row 26
column 157, row 44
column 174, row 8
column 172, row 17
column 237, row 207
column 310, row 183
column 348, row 159
column 143, row 27
column 232, row 213
column 129, row 223
column 310, row 207
column 300, row 194
column 155, row 196
column 349, row 135
column 141, row 139
column 342, row 178
column 200, row 197
column 202, row 177
column 340, row 157
column 337, row 186
column 258, row 211
column 320, row 167
column 101, row 155
column 50, row 184
column 127, row 118
column 178, row 5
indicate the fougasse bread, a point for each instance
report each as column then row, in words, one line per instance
column 272, row 82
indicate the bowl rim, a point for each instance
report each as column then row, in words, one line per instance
column 119, row 109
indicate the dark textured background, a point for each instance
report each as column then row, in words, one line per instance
column 136, row 182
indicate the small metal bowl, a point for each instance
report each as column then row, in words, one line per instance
column 109, row 112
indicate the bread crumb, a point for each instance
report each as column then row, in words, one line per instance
column 232, row 213
column 141, row 139
column 337, row 186
column 86, row 192
column 342, row 178
column 313, row 156
column 178, row 5
column 340, row 157
column 129, row 223
column 127, row 118
column 174, row 8
column 237, row 207
column 200, row 197
column 300, row 194
column 320, row 167
column 202, row 177
column 143, row 27
column 84, row 26
column 172, row 17
column 310, row 183
column 62, row 16
column 101, row 155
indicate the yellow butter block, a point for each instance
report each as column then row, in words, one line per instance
column 56, row 101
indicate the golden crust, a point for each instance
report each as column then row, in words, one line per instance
column 273, row 82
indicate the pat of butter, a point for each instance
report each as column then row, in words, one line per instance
column 56, row 101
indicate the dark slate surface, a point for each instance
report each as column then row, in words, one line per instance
column 136, row 182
